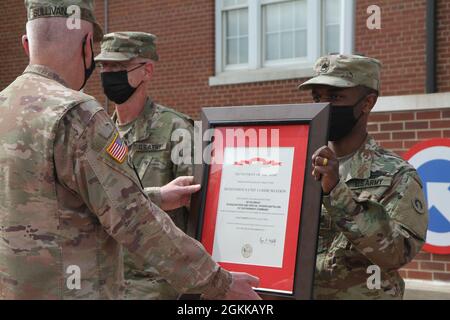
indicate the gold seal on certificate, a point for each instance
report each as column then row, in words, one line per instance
column 247, row 251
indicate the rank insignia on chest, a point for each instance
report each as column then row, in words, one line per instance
column 118, row 150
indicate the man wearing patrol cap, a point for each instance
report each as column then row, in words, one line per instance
column 374, row 217
column 60, row 8
column 69, row 200
column 127, row 63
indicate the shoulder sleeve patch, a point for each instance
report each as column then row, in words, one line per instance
column 105, row 142
column 106, row 130
column 117, row 149
column 418, row 205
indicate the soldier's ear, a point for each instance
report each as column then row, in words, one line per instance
column 26, row 45
column 89, row 48
column 370, row 102
column 149, row 69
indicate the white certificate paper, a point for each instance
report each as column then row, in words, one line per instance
column 253, row 206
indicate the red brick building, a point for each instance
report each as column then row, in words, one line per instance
column 251, row 52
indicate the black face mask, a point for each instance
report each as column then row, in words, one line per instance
column 343, row 120
column 87, row 71
column 116, row 86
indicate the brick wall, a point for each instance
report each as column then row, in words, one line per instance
column 399, row 131
column 428, row 266
column 12, row 27
column 443, row 48
column 399, row 44
column 186, row 47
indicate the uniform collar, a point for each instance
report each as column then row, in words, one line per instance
column 361, row 162
column 139, row 129
column 46, row 72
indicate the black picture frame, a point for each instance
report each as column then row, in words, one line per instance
column 316, row 115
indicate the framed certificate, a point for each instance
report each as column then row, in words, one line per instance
column 259, row 207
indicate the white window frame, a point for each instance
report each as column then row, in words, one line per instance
column 222, row 23
column 257, row 70
column 311, row 33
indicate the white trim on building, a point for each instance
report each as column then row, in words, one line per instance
column 263, row 74
column 413, row 102
column 426, row 290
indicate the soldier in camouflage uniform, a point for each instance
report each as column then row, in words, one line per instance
column 69, row 200
column 373, row 212
column 147, row 129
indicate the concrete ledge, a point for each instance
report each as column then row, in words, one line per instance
column 259, row 75
column 426, row 290
column 413, row 102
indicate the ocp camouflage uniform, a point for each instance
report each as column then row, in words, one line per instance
column 65, row 201
column 149, row 139
column 376, row 215
column 375, row 219
column 156, row 159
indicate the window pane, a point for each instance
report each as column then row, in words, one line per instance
column 236, row 41
column 332, row 32
column 243, row 50
column 285, row 24
column 272, row 19
column 232, row 51
column 332, row 11
column 300, row 14
column 243, row 22
column 287, row 15
column 332, row 39
column 232, row 23
column 300, row 44
column 287, row 45
column 272, row 46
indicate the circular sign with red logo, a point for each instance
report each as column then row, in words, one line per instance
column 432, row 160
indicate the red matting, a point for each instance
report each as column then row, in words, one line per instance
column 278, row 279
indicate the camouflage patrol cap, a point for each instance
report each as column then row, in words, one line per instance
column 124, row 46
column 345, row 71
column 63, row 8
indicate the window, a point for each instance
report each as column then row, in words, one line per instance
column 236, row 32
column 332, row 26
column 285, row 30
column 260, row 40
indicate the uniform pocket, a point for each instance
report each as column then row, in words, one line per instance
column 160, row 163
column 143, row 166
column 154, row 168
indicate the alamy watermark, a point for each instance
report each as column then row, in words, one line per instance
column 374, row 280
column 73, row 281
column 74, row 20
column 254, row 145
column 374, row 20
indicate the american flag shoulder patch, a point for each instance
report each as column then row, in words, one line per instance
column 118, row 150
